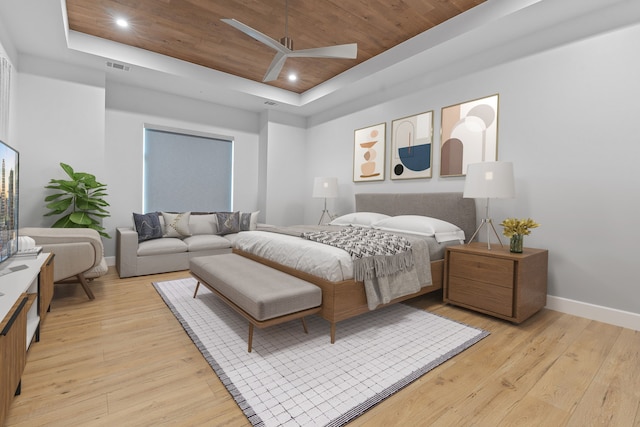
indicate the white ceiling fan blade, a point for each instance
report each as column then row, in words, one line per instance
column 257, row 35
column 276, row 66
column 349, row 51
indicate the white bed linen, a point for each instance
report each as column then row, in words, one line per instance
column 320, row 260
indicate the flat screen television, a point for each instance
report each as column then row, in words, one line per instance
column 9, row 163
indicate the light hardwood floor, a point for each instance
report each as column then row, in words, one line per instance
column 124, row 360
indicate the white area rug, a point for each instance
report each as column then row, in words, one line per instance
column 296, row 379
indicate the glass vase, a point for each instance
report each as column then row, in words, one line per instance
column 515, row 244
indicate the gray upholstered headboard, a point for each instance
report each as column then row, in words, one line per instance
column 450, row 207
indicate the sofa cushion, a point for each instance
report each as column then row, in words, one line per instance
column 228, row 222
column 176, row 224
column 147, row 226
column 166, row 245
column 203, row 224
column 205, row 242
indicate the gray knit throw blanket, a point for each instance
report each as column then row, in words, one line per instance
column 374, row 253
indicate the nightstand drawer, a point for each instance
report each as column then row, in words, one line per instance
column 497, row 271
column 496, row 299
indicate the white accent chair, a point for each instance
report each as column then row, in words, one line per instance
column 79, row 253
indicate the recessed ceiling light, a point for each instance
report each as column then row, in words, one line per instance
column 122, row 23
column 293, row 77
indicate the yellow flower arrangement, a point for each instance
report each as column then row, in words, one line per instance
column 513, row 226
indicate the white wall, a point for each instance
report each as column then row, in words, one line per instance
column 284, row 191
column 60, row 118
column 567, row 121
column 7, row 50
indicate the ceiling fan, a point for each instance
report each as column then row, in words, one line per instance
column 284, row 48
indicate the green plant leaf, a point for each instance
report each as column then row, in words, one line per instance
column 60, row 205
column 53, row 197
column 80, row 218
column 64, row 222
column 68, row 169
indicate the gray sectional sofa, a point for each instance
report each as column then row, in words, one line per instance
column 137, row 255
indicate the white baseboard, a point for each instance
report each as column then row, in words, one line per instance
column 111, row 260
column 626, row 319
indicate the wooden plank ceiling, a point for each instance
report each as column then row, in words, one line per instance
column 191, row 30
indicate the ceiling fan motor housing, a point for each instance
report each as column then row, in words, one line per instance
column 287, row 42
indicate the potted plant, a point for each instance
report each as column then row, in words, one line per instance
column 516, row 229
column 80, row 199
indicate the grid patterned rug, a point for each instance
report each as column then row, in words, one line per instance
column 296, row 379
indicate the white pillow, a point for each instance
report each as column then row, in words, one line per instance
column 176, row 225
column 443, row 231
column 359, row 219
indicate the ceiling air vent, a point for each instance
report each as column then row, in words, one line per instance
column 117, row 66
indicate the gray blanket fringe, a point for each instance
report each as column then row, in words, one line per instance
column 381, row 265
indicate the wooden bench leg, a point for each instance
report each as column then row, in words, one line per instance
column 250, row 336
column 333, row 332
column 196, row 292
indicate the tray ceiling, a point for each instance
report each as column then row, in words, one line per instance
column 192, row 30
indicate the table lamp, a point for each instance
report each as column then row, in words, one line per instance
column 325, row 187
column 489, row 180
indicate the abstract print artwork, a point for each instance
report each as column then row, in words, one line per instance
column 469, row 134
column 368, row 153
column 411, row 146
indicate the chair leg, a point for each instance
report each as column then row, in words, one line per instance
column 304, row 326
column 85, row 286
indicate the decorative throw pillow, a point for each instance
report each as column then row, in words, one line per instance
column 205, row 223
column 228, row 222
column 148, row 226
column 176, row 225
column 248, row 221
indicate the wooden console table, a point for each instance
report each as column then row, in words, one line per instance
column 26, row 288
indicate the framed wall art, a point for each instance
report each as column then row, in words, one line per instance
column 368, row 153
column 469, row 134
column 411, row 146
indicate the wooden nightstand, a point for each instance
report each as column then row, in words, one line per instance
column 496, row 282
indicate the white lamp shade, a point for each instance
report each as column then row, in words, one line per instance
column 326, row 187
column 490, row 180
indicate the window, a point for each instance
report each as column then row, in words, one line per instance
column 187, row 172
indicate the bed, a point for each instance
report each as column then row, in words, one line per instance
column 343, row 299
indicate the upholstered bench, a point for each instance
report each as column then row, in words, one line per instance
column 261, row 294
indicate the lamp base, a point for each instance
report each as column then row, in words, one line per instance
column 489, row 224
column 325, row 218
